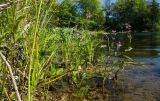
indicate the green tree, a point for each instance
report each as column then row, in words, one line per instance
column 141, row 14
column 90, row 14
column 52, row 16
column 63, row 14
column 67, row 13
column 154, row 14
column 86, row 14
column 133, row 12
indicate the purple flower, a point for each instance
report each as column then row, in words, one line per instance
column 114, row 32
column 119, row 44
column 127, row 26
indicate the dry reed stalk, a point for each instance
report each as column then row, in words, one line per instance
column 7, row 5
column 12, row 76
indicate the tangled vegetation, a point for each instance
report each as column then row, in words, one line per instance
column 44, row 58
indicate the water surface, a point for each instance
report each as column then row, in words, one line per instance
column 142, row 83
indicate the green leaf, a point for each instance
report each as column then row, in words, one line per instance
column 60, row 71
column 129, row 49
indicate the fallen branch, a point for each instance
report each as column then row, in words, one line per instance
column 12, row 76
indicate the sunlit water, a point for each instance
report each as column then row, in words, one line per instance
column 142, row 83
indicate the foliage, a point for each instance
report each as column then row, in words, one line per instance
column 154, row 15
column 91, row 10
column 142, row 15
column 81, row 14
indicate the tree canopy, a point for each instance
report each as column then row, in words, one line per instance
column 142, row 15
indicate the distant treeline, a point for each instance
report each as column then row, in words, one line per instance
column 142, row 15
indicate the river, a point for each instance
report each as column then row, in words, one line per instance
column 142, row 83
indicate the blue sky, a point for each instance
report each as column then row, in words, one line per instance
column 103, row 1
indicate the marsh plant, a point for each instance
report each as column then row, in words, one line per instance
column 42, row 58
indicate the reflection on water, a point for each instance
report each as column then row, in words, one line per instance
column 138, row 83
column 143, row 84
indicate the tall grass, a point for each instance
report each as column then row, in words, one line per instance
column 20, row 25
column 40, row 56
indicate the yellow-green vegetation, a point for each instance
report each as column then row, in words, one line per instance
column 41, row 56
